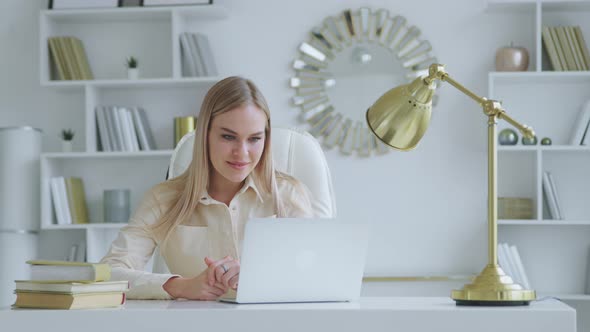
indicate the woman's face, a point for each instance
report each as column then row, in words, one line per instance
column 236, row 142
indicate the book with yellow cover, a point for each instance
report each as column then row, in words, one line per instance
column 66, row 287
column 57, row 60
column 583, row 46
column 82, row 59
column 69, row 271
column 551, row 49
column 41, row 300
column 77, row 200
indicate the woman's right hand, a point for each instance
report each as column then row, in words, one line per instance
column 197, row 288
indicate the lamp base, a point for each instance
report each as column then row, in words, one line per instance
column 492, row 287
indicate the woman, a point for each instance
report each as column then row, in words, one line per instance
column 197, row 219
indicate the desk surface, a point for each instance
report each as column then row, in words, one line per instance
column 377, row 313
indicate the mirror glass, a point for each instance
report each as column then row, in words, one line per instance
column 349, row 61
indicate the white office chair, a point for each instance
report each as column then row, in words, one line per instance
column 295, row 152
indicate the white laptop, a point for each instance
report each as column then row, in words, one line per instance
column 301, row 260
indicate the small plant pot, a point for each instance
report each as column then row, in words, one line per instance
column 132, row 73
column 66, row 146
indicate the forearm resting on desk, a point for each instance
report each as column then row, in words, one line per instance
column 196, row 288
column 143, row 285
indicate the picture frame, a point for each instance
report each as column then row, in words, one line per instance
column 81, row 4
column 130, row 3
column 150, row 3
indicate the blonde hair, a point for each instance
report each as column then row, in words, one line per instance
column 226, row 95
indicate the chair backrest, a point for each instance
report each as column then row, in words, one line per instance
column 295, row 152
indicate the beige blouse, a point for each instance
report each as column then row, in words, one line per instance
column 215, row 230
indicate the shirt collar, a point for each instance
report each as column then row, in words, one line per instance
column 249, row 183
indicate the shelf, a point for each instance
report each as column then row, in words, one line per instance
column 566, row 6
column 84, row 226
column 102, row 15
column 571, row 297
column 113, row 155
column 517, row 148
column 540, row 77
column 536, row 222
column 510, row 6
column 520, row 148
column 140, row 83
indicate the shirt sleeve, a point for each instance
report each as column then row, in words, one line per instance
column 132, row 249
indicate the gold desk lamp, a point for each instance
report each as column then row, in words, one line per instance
column 399, row 118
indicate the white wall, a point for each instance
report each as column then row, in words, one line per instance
column 427, row 207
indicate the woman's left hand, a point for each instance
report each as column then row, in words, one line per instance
column 225, row 271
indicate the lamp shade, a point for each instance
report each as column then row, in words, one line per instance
column 401, row 116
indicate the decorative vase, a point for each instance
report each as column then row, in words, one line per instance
column 547, row 141
column 508, row 137
column 132, row 73
column 529, row 141
column 66, row 146
column 512, row 58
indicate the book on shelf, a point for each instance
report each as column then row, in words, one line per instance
column 58, row 69
column 580, row 128
column 566, row 48
column 510, row 261
column 556, row 194
column 123, row 129
column 77, row 200
column 71, row 286
column 567, row 51
column 187, row 58
column 551, row 197
column 60, row 201
column 69, row 200
column 49, row 270
column 197, row 57
column 77, row 253
column 583, row 46
column 551, row 49
column 68, row 59
column 524, row 280
column 81, row 4
column 206, row 55
column 558, row 48
column 42, row 300
column 578, row 56
column 143, row 129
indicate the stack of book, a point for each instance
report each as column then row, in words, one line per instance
column 197, row 58
column 69, row 285
column 509, row 260
column 552, row 197
column 69, row 200
column 566, row 48
column 69, row 61
column 123, row 129
column 580, row 133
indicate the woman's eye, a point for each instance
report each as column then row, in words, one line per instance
column 255, row 139
column 228, row 137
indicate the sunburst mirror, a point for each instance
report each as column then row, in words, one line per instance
column 347, row 63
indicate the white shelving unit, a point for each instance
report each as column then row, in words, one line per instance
column 109, row 36
column 555, row 253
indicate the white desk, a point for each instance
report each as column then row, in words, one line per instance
column 369, row 314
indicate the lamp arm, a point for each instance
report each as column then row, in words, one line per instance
column 490, row 107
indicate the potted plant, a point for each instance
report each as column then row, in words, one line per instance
column 67, row 135
column 132, row 70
